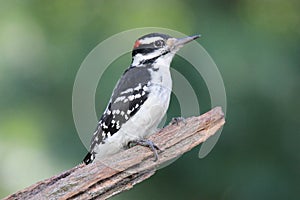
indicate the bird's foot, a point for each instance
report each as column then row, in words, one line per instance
column 145, row 143
column 177, row 120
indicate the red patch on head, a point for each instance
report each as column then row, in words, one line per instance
column 136, row 44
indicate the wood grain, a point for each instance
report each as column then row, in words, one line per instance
column 120, row 172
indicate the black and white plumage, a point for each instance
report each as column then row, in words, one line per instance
column 140, row 98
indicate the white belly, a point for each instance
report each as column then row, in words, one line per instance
column 146, row 120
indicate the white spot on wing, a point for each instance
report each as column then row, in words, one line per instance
column 129, row 90
column 118, row 125
column 145, row 88
column 138, row 87
column 137, row 96
column 131, row 97
column 104, row 125
column 121, row 98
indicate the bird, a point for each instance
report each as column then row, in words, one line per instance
column 140, row 98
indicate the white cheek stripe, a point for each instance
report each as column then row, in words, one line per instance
column 139, row 57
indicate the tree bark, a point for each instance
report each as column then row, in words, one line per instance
column 105, row 178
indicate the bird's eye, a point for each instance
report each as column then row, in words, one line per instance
column 159, row 43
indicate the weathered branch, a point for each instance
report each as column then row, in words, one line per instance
column 120, row 172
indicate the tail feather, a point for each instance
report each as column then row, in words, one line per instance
column 89, row 158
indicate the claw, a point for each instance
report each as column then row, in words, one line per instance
column 146, row 143
column 177, row 120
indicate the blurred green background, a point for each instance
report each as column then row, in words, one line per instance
column 255, row 44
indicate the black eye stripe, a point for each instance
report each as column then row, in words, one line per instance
column 150, row 61
column 148, row 48
column 142, row 51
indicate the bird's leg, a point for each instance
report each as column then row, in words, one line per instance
column 177, row 120
column 145, row 143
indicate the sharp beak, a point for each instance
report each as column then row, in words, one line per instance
column 182, row 41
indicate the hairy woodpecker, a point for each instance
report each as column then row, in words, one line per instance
column 140, row 99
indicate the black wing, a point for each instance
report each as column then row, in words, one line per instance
column 129, row 94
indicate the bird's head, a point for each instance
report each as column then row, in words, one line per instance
column 152, row 46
